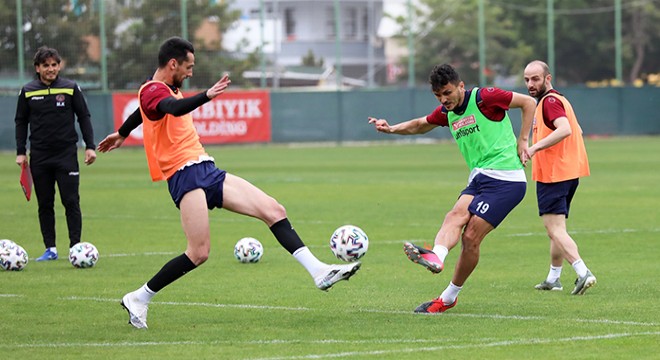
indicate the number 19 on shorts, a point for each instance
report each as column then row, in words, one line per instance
column 482, row 207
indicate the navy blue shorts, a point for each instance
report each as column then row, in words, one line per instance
column 198, row 176
column 555, row 198
column 494, row 199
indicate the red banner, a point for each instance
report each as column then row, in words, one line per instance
column 233, row 117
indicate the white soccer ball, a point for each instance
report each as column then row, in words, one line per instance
column 12, row 256
column 83, row 255
column 349, row 243
column 248, row 250
column 6, row 242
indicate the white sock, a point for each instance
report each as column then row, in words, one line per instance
column 52, row 249
column 580, row 267
column 450, row 294
column 144, row 294
column 309, row 261
column 554, row 274
column 441, row 251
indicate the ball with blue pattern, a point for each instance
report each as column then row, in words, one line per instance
column 13, row 257
column 248, row 250
column 349, row 243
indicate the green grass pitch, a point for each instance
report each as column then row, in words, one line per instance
column 271, row 310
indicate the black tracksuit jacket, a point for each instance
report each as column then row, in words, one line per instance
column 50, row 113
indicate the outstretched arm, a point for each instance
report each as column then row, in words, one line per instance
column 116, row 139
column 410, row 127
column 178, row 107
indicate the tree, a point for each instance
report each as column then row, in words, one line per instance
column 447, row 32
column 516, row 33
column 136, row 41
column 310, row 60
column 45, row 23
column 584, row 32
column 642, row 36
column 133, row 33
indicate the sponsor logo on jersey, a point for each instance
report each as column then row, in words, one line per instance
column 463, row 122
column 461, row 128
column 59, row 100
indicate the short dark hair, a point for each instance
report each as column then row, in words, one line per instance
column 44, row 53
column 174, row 48
column 442, row 75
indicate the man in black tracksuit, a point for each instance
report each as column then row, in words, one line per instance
column 48, row 106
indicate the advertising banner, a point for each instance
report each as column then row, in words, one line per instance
column 233, row 117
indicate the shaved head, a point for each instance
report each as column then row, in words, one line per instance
column 537, row 78
column 538, row 65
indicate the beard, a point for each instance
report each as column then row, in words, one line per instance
column 542, row 90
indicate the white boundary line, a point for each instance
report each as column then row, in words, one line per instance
column 465, row 346
column 391, row 312
column 211, row 305
column 152, row 253
column 481, row 343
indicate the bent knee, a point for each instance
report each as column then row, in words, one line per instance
column 199, row 256
column 274, row 213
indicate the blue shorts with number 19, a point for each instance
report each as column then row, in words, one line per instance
column 494, row 199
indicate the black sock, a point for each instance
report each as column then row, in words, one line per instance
column 171, row 271
column 287, row 237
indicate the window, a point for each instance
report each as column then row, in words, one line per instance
column 290, row 23
column 366, row 21
column 349, row 23
column 330, row 23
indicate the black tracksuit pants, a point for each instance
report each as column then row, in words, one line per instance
column 49, row 168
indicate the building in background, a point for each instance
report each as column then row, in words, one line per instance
column 301, row 47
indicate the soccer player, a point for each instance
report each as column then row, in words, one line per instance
column 196, row 185
column 478, row 121
column 48, row 106
column 559, row 160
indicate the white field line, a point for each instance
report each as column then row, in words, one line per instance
column 462, row 346
column 233, row 342
column 391, row 312
column 478, row 343
column 210, row 305
column 144, row 254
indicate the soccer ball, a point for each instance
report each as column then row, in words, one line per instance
column 83, row 255
column 5, row 243
column 349, row 243
column 248, row 250
column 12, row 256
